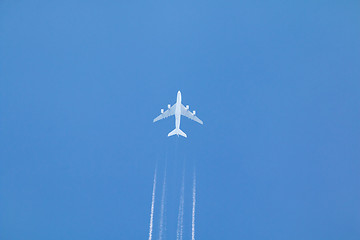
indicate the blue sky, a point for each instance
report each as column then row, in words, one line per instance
column 276, row 84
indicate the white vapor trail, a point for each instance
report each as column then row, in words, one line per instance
column 162, row 209
column 152, row 207
column 180, row 225
column 193, row 209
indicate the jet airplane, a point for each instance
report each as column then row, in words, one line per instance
column 178, row 109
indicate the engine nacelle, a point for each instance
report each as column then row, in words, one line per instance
column 194, row 112
column 187, row 107
column 169, row 106
column 162, row 110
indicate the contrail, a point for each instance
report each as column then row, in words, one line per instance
column 152, row 207
column 162, row 210
column 193, row 209
column 180, row 225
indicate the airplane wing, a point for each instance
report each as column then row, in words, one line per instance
column 167, row 113
column 185, row 112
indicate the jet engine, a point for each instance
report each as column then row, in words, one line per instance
column 194, row 112
column 169, row 106
column 187, row 107
column 162, row 110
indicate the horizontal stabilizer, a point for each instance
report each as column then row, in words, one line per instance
column 178, row 132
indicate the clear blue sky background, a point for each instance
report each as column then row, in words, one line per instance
column 276, row 83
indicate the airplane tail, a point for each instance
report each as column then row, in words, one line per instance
column 177, row 131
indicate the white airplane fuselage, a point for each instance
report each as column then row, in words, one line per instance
column 178, row 111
